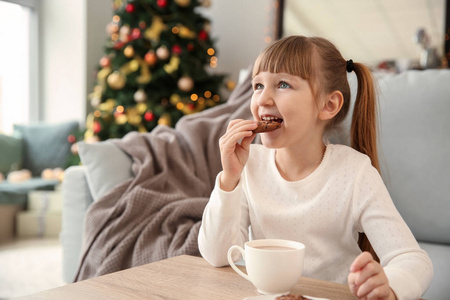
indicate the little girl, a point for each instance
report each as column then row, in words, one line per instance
column 297, row 187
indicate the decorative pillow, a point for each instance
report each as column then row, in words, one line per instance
column 45, row 145
column 11, row 154
column 107, row 166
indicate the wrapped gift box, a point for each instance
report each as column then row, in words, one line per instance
column 38, row 224
column 49, row 201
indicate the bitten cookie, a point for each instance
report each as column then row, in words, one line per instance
column 265, row 126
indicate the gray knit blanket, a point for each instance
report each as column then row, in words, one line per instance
column 157, row 214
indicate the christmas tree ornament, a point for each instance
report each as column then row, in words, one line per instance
column 154, row 31
column 118, row 45
column 141, row 107
column 145, row 76
column 185, row 83
column 107, row 106
column 128, row 51
column 116, row 80
column 183, row 3
column 174, row 99
column 133, row 117
column 176, row 49
column 165, row 120
column 105, row 61
column 130, row 8
column 162, row 52
column 95, row 101
column 150, row 58
column 71, row 139
column 202, row 35
column 140, row 96
column 124, row 32
column 136, row 34
column 97, row 127
column 162, row 3
column 173, row 64
column 149, row 116
column 142, row 129
column 121, row 119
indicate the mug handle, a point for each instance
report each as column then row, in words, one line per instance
column 231, row 262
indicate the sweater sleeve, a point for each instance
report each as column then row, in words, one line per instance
column 407, row 267
column 225, row 223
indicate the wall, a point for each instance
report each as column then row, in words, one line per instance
column 74, row 35
column 240, row 28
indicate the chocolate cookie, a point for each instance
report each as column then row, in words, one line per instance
column 265, row 126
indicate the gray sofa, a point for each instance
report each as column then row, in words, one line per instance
column 415, row 159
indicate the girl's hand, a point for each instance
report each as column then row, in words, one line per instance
column 233, row 155
column 367, row 279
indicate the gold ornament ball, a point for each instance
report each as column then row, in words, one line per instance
column 128, row 51
column 162, row 53
column 185, row 83
column 140, row 96
column 183, row 3
column 116, row 80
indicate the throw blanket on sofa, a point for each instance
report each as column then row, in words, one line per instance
column 157, row 214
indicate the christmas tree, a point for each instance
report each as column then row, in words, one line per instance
column 156, row 68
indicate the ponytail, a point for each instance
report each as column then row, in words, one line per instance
column 363, row 132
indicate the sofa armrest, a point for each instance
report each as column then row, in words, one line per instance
column 76, row 200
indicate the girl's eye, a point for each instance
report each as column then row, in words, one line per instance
column 258, row 86
column 284, row 85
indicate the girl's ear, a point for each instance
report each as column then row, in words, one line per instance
column 332, row 105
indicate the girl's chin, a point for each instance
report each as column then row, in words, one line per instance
column 269, row 142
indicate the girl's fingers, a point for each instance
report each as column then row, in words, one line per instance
column 360, row 261
column 375, row 285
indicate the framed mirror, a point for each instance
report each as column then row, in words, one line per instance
column 405, row 33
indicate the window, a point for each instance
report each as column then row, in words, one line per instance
column 18, row 63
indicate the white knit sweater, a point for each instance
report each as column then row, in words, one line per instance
column 325, row 211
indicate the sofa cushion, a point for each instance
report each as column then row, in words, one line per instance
column 107, row 166
column 440, row 256
column 45, row 145
column 11, row 154
column 415, row 148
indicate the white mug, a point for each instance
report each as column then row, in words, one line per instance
column 273, row 266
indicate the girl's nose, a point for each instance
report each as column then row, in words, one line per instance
column 266, row 98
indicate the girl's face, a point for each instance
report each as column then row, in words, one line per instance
column 287, row 98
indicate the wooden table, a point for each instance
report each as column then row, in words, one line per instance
column 182, row 277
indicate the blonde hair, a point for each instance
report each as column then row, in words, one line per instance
column 319, row 62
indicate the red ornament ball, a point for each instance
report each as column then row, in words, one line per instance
column 136, row 34
column 149, row 116
column 71, row 139
column 162, row 3
column 203, row 35
column 176, row 49
column 130, row 8
column 97, row 127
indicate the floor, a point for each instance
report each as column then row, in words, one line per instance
column 29, row 266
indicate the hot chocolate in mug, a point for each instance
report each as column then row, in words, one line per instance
column 273, row 266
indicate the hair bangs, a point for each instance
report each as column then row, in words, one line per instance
column 292, row 55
